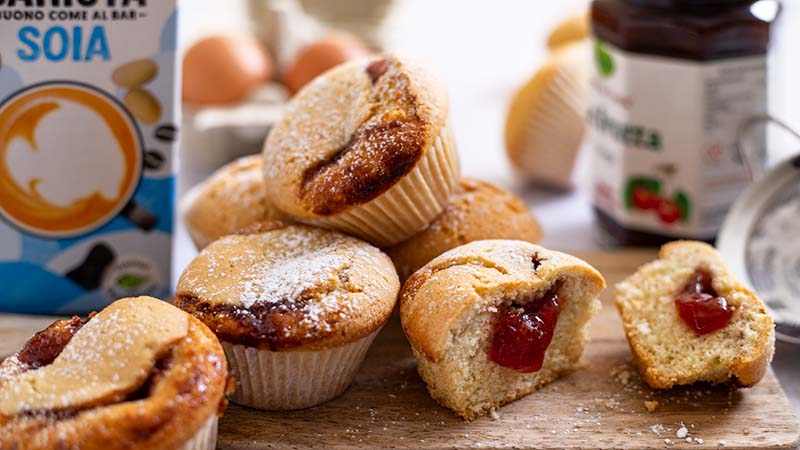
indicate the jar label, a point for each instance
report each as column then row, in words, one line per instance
column 664, row 131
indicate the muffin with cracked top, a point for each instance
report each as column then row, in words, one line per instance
column 366, row 149
column 139, row 374
column 295, row 307
column 232, row 198
column 478, row 210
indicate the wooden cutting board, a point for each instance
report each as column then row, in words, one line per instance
column 600, row 405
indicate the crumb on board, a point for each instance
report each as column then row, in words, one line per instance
column 611, row 404
column 651, row 405
column 621, row 374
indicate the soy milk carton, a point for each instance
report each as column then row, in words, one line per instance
column 88, row 107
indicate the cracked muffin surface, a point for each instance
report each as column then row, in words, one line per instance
column 289, row 287
column 366, row 149
column 478, row 210
column 138, row 374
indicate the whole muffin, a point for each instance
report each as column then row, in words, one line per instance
column 478, row 210
column 546, row 120
column 139, row 374
column 233, row 197
column 365, row 148
column 296, row 308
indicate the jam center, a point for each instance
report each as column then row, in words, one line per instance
column 699, row 305
column 523, row 333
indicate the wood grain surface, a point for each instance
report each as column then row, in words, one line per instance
column 599, row 405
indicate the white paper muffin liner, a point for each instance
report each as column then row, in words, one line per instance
column 206, row 436
column 293, row 380
column 555, row 128
column 411, row 204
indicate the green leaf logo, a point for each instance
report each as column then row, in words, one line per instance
column 605, row 64
column 130, row 281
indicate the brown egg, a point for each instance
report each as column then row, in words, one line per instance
column 224, row 69
column 320, row 56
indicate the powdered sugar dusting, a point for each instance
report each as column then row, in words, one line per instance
column 90, row 369
column 322, row 278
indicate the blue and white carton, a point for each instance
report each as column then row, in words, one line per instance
column 88, row 114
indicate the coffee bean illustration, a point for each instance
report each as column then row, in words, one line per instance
column 139, row 216
column 153, row 160
column 166, row 133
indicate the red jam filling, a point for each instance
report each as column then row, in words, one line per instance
column 699, row 305
column 43, row 348
column 523, row 333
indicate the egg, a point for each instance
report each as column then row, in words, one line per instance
column 224, row 69
column 316, row 58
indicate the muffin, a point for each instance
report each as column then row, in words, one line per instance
column 546, row 120
column 491, row 321
column 366, row 149
column 139, row 374
column 573, row 29
column 296, row 309
column 688, row 319
column 233, row 197
column 478, row 210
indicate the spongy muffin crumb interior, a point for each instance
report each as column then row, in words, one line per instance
column 468, row 374
column 449, row 310
column 672, row 352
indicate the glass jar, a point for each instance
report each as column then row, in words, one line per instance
column 673, row 81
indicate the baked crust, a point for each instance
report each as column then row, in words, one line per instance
column 184, row 389
column 351, row 134
column 231, row 198
column 289, row 287
column 479, row 210
column 748, row 367
column 489, row 266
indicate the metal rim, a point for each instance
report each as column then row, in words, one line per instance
column 743, row 216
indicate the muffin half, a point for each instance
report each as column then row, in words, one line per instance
column 296, row 309
column 366, row 149
column 233, row 197
column 688, row 319
column 139, row 374
column 478, row 210
column 492, row 321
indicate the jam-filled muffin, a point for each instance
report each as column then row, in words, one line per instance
column 492, row 321
column 478, row 210
column 296, row 308
column 688, row 319
column 233, row 197
column 140, row 374
column 366, row 149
